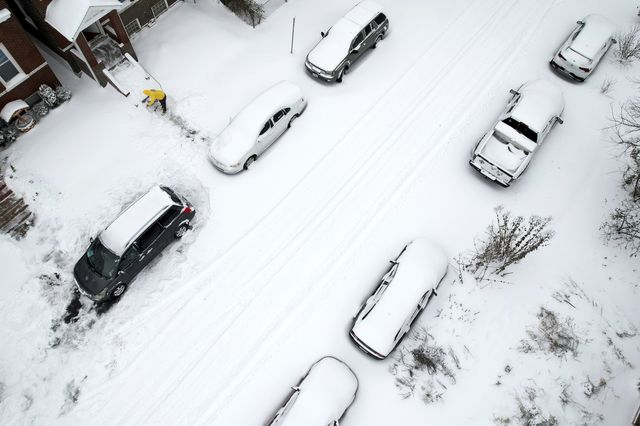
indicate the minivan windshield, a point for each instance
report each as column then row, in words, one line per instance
column 101, row 260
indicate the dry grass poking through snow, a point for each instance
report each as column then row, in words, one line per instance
column 422, row 368
column 552, row 335
column 506, row 242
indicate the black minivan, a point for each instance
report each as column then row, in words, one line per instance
column 126, row 246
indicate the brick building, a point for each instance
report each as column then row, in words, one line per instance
column 92, row 36
column 22, row 67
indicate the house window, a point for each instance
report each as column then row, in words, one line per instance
column 10, row 72
column 159, row 8
column 132, row 27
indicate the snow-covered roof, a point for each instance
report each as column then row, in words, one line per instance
column 11, row 108
column 241, row 134
column 4, row 15
column 333, row 48
column 325, row 393
column 596, row 32
column 420, row 268
column 134, row 219
column 70, row 17
column 540, row 101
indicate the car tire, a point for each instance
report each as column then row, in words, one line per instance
column 295, row 116
column 378, row 40
column 118, row 291
column 249, row 162
column 341, row 74
column 182, row 229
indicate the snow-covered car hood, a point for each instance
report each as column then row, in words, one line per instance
column 232, row 145
column 334, row 47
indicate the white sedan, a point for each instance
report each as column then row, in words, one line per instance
column 321, row 398
column 387, row 315
column 257, row 127
column 506, row 150
column 585, row 47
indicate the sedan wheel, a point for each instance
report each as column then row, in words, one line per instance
column 340, row 75
column 249, row 162
column 292, row 120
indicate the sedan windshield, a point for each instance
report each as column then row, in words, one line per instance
column 101, row 260
column 522, row 128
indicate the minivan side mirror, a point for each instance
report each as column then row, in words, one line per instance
column 560, row 120
column 579, row 22
column 514, row 92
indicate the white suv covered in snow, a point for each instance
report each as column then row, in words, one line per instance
column 321, row 398
column 506, row 150
column 387, row 315
column 585, row 47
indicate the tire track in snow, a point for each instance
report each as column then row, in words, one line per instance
column 347, row 189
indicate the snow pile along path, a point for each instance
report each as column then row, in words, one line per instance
column 194, row 374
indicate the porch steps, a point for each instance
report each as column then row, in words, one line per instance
column 15, row 217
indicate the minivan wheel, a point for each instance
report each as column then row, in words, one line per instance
column 249, row 162
column 118, row 291
column 292, row 120
column 182, row 229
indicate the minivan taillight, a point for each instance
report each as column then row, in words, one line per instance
column 187, row 209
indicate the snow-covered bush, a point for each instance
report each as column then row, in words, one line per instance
column 48, row 95
column 40, row 110
column 506, row 242
column 420, row 365
column 62, row 94
column 248, row 10
column 628, row 47
column 8, row 135
column 551, row 335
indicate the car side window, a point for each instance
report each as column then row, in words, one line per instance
column 145, row 240
column 368, row 29
column 380, row 19
column 169, row 216
column 129, row 257
column 278, row 115
column 356, row 42
column 266, row 127
column 286, row 111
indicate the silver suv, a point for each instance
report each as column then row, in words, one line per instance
column 360, row 29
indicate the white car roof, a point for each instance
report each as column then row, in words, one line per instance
column 325, row 393
column 332, row 49
column 242, row 133
column 134, row 219
column 540, row 101
column 596, row 32
column 421, row 267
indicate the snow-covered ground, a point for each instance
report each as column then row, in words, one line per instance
column 223, row 322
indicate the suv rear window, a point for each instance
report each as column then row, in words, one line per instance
column 380, row 19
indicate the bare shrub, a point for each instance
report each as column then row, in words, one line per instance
column 591, row 389
column 420, row 365
column 248, row 10
column 71, row 395
column 625, row 122
column 622, row 228
column 551, row 336
column 628, row 47
column 607, row 86
column 507, row 241
column 530, row 413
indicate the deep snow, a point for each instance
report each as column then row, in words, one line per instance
column 219, row 327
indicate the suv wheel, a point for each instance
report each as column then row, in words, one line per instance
column 378, row 40
column 182, row 229
column 118, row 291
column 249, row 162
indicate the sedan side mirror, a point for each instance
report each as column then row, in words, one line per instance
column 91, row 240
column 614, row 41
column 560, row 120
column 322, row 33
column 435, row 291
column 579, row 22
column 295, row 388
column 514, row 92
